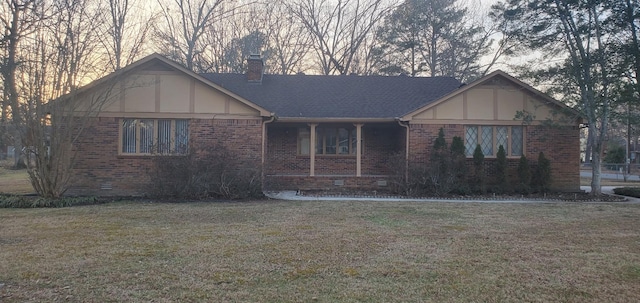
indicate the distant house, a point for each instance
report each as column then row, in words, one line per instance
column 315, row 132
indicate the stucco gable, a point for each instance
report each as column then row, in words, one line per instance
column 495, row 98
column 156, row 85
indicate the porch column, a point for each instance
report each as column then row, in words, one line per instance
column 312, row 150
column 358, row 149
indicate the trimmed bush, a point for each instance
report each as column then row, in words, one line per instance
column 440, row 174
column 542, row 176
column 478, row 166
column 627, row 191
column 501, row 170
column 459, row 166
column 524, row 176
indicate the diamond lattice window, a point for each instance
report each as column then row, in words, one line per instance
column 471, row 140
column 487, row 141
column 502, row 137
column 491, row 137
column 516, row 141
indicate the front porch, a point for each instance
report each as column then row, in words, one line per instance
column 332, row 156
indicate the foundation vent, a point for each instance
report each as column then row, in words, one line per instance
column 338, row 182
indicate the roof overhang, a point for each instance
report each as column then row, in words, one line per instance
column 334, row 120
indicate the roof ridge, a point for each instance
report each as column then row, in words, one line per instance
column 342, row 76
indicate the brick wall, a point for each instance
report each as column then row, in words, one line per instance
column 380, row 142
column 282, row 152
column 422, row 137
column 98, row 164
column 560, row 145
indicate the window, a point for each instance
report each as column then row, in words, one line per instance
column 491, row 137
column 149, row 136
column 329, row 141
column 303, row 141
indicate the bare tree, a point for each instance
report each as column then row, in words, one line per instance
column 338, row 29
column 126, row 33
column 19, row 19
column 289, row 41
column 234, row 34
column 574, row 30
column 53, row 54
column 182, row 33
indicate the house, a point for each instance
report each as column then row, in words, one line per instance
column 311, row 131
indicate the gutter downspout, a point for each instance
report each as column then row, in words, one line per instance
column 264, row 147
column 405, row 124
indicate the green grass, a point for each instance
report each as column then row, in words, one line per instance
column 321, row 251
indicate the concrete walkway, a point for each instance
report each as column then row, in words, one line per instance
column 293, row 196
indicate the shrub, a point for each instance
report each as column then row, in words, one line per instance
column 524, row 176
column 542, row 176
column 478, row 166
column 458, row 162
column 398, row 167
column 627, row 191
column 440, row 173
column 15, row 201
column 501, row 170
column 446, row 172
column 208, row 171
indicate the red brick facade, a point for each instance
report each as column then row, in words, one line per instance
column 561, row 145
column 101, row 170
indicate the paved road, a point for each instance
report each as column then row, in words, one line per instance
column 610, row 176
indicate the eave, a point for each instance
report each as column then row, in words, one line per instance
column 334, row 120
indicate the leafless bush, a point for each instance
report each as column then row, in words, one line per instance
column 209, row 171
column 407, row 179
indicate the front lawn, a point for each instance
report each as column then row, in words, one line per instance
column 14, row 181
column 321, row 252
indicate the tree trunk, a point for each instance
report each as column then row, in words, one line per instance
column 589, row 148
column 18, row 162
column 596, row 170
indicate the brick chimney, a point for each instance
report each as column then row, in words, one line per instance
column 255, row 68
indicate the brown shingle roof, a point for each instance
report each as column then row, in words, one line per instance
column 314, row 96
